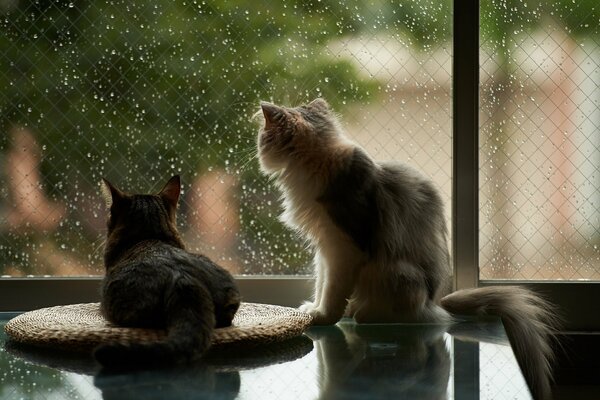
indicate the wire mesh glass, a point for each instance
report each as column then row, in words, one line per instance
column 540, row 140
column 138, row 91
column 499, row 374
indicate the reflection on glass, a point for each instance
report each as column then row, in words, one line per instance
column 35, row 371
column 137, row 91
column 382, row 362
column 496, row 381
column 343, row 361
column 23, row 380
column 200, row 381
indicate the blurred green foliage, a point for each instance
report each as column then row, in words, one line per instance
column 137, row 91
column 118, row 86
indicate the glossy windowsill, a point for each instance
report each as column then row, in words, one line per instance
column 468, row 360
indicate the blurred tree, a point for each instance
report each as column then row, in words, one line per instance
column 137, row 90
column 114, row 85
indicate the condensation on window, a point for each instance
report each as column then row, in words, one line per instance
column 137, row 91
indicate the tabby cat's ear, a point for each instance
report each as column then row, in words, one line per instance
column 320, row 104
column 110, row 193
column 170, row 193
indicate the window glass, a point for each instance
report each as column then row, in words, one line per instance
column 539, row 140
column 137, row 91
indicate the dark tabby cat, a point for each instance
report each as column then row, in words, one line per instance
column 152, row 282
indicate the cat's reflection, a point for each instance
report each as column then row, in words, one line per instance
column 192, row 381
column 382, row 362
column 186, row 382
column 215, row 376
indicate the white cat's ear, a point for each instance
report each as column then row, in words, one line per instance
column 110, row 193
column 170, row 193
column 320, row 104
column 272, row 113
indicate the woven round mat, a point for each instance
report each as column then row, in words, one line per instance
column 81, row 327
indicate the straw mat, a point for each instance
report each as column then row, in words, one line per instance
column 81, row 327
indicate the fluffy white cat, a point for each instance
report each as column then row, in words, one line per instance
column 380, row 237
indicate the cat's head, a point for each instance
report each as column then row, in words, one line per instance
column 137, row 217
column 298, row 133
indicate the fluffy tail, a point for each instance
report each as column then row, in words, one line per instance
column 530, row 324
column 190, row 322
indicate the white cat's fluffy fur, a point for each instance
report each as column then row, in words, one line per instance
column 380, row 239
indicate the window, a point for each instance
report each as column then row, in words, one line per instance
column 137, row 91
column 539, row 141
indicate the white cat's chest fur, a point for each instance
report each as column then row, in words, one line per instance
column 301, row 191
column 301, row 210
column 305, row 214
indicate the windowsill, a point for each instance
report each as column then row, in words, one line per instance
column 27, row 293
column 577, row 299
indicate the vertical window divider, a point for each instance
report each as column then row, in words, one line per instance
column 465, row 143
column 465, row 175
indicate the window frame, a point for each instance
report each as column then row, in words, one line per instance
column 25, row 294
column 574, row 299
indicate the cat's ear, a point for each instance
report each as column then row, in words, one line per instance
column 320, row 104
column 170, row 193
column 272, row 113
column 110, row 193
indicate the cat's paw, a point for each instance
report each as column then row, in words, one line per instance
column 319, row 317
column 307, row 307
